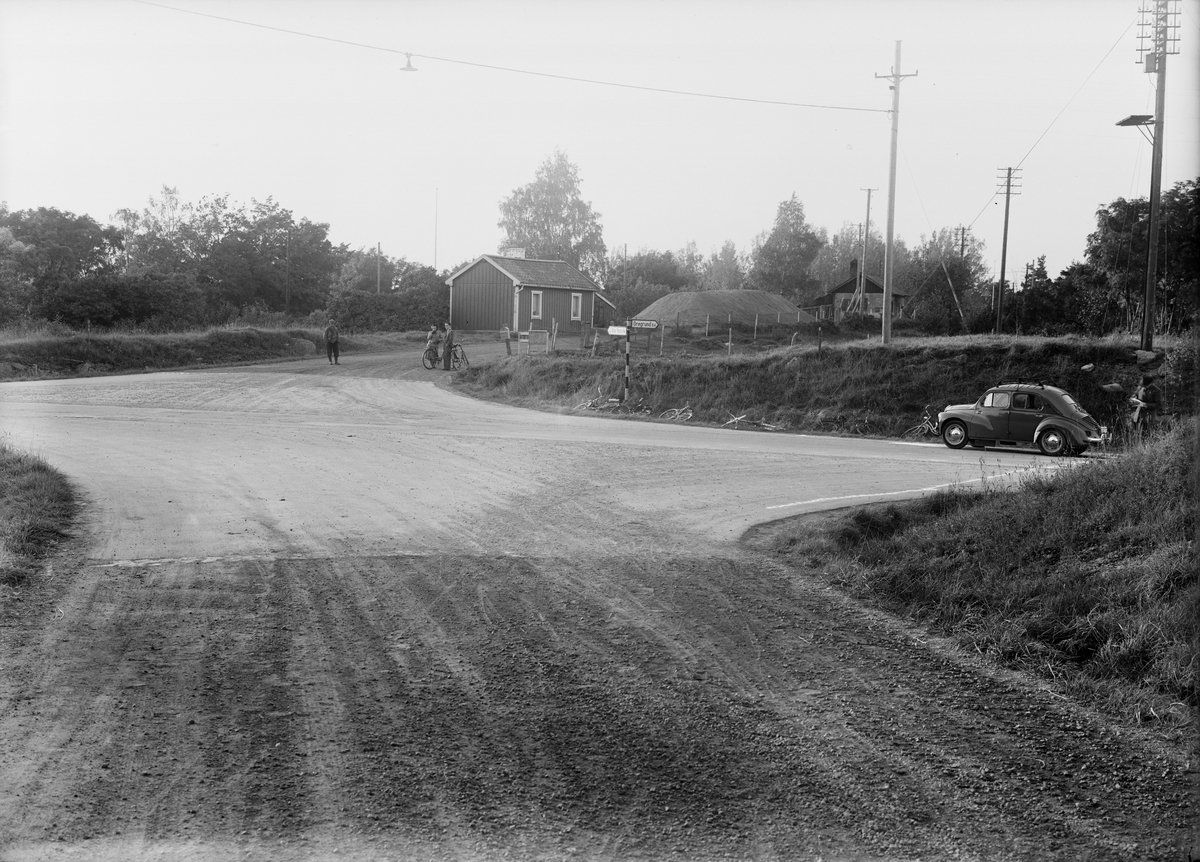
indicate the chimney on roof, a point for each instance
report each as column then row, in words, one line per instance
column 513, row 252
column 854, row 269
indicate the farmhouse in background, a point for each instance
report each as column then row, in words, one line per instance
column 836, row 303
column 722, row 307
column 508, row 290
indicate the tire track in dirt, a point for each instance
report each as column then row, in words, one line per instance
column 468, row 707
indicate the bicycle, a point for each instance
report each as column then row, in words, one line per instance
column 927, row 426
column 681, row 414
column 431, row 358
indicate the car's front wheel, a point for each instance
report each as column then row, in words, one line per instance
column 954, row 434
column 1054, row 441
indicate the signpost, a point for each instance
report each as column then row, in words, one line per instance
column 632, row 323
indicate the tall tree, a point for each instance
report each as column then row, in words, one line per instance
column 940, row 277
column 1117, row 248
column 59, row 248
column 831, row 266
column 550, row 219
column 648, row 266
column 725, row 270
column 782, row 257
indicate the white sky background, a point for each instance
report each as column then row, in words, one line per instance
column 102, row 102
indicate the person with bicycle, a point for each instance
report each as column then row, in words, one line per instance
column 1147, row 404
column 447, row 346
column 433, row 341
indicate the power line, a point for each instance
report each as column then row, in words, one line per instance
column 515, row 71
column 1059, row 114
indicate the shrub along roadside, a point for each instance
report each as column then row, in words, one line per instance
column 1086, row 576
column 37, row 508
column 41, row 355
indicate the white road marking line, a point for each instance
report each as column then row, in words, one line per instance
column 897, row 493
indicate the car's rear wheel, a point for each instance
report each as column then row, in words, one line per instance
column 1054, row 441
column 954, row 434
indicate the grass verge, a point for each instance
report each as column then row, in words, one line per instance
column 37, row 508
column 855, row 387
column 1086, row 577
column 39, row 355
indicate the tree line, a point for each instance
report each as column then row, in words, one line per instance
column 175, row 264
column 948, row 286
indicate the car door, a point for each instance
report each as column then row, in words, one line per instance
column 1027, row 411
column 991, row 416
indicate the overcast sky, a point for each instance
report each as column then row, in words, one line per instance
column 102, row 102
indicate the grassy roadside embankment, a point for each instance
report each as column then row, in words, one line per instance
column 854, row 387
column 37, row 509
column 1086, row 577
column 38, row 355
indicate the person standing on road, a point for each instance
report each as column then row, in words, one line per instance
column 331, row 342
column 447, row 346
column 1147, row 403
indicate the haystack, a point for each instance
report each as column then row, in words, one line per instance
column 723, row 306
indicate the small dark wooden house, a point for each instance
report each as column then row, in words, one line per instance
column 498, row 291
column 838, row 302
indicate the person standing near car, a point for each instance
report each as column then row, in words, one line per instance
column 1147, row 404
column 447, row 346
column 331, row 342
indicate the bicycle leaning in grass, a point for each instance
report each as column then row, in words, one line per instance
column 927, row 427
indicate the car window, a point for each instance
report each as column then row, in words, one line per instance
column 1021, row 401
column 996, row 399
column 1035, row 402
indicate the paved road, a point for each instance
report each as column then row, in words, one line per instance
column 338, row 612
column 372, row 457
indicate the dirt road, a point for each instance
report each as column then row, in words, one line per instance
column 337, row 612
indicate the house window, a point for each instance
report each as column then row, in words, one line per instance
column 535, row 305
column 577, row 306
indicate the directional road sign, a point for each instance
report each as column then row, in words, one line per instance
column 617, row 330
column 644, row 324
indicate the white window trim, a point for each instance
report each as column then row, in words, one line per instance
column 535, row 305
column 577, row 306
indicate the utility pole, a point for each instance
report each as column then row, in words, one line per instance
column 1160, row 24
column 862, row 270
column 287, row 272
column 962, row 240
column 888, row 257
column 1008, row 180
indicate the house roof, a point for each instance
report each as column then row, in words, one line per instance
column 873, row 286
column 535, row 273
column 740, row 306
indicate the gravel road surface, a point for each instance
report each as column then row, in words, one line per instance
column 339, row 612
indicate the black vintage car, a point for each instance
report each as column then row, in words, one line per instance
column 1021, row 412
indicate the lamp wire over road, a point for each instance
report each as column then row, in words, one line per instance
column 578, row 80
